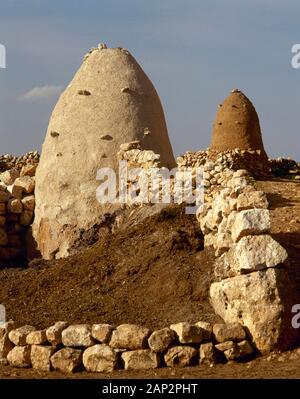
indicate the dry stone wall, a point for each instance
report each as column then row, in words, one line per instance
column 104, row 348
column 250, row 266
column 17, row 204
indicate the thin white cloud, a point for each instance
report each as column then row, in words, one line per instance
column 41, row 93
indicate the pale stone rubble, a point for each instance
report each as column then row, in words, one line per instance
column 17, row 203
column 103, row 348
column 285, row 167
column 136, row 158
column 220, row 171
column 26, row 161
column 215, row 177
column 216, row 163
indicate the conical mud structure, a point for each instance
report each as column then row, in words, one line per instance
column 110, row 101
column 237, row 125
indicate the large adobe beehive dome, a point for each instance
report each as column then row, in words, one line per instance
column 110, row 101
column 236, row 125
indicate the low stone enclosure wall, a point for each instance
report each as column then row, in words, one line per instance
column 104, row 348
column 249, row 292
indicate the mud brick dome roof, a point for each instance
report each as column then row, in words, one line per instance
column 110, row 101
column 236, row 125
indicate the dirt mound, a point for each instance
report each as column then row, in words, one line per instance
column 237, row 125
column 153, row 273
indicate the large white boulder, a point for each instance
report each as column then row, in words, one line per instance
column 260, row 302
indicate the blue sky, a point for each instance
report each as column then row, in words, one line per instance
column 194, row 51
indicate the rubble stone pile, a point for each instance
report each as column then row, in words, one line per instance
column 285, row 168
column 17, row 204
column 227, row 169
column 235, row 159
column 9, row 161
column 105, row 348
column 138, row 158
column 149, row 162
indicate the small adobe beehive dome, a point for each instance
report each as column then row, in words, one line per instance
column 236, row 125
column 110, row 101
